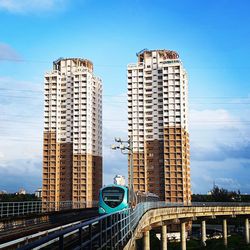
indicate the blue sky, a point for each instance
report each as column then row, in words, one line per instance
column 212, row 38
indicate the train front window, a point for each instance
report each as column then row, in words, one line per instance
column 113, row 196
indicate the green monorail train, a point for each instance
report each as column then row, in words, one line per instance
column 113, row 198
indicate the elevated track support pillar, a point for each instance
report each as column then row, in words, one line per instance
column 225, row 232
column 146, row 240
column 203, row 233
column 183, row 236
column 247, row 230
column 134, row 246
column 164, row 237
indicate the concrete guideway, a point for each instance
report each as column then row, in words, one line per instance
column 28, row 231
column 120, row 230
column 161, row 217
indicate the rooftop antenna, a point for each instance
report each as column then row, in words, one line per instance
column 141, row 51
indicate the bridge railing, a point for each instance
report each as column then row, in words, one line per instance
column 111, row 231
column 218, row 204
column 9, row 209
column 108, row 231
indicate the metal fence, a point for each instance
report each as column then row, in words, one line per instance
column 9, row 209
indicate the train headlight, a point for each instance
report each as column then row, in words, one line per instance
column 102, row 210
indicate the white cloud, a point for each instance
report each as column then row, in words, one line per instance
column 1, row 155
column 219, row 145
column 228, row 182
column 8, row 53
column 21, row 126
column 208, row 118
column 23, row 6
column 114, row 125
column 21, row 173
column 228, row 174
column 211, row 131
column 115, row 113
column 21, row 130
column 114, row 120
column 18, row 85
column 210, row 127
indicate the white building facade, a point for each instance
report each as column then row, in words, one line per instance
column 72, row 162
column 158, row 124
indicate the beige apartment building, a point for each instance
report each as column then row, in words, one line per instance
column 158, row 125
column 72, row 147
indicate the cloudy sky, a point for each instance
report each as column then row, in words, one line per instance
column 212, row 38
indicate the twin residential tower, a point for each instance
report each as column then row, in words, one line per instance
column 157, row 127
column 72, row 148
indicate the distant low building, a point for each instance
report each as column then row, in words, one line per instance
column 38, row 193
column 21, row 191
column 3, row 192
column 119, row 180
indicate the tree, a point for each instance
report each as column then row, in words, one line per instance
column 223, row 195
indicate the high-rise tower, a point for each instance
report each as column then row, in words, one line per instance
column 72, row 148
column 158, row 125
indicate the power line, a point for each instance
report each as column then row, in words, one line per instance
column 50, row 62
column 23, row 60
column 124, row 102
column 21, row 140
column 24, row 116
column 125, row 96
column 22, row 90
column 119, row 120
column 220, row 103
column 192, row 138
column 19, row 121
column 23, row 97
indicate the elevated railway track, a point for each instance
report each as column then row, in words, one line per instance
column 31, row 229
column 121, row 229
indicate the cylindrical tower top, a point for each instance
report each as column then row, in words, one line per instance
column 165, row 54
column 76, row 61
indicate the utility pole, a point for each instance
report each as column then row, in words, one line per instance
column 127, row 150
